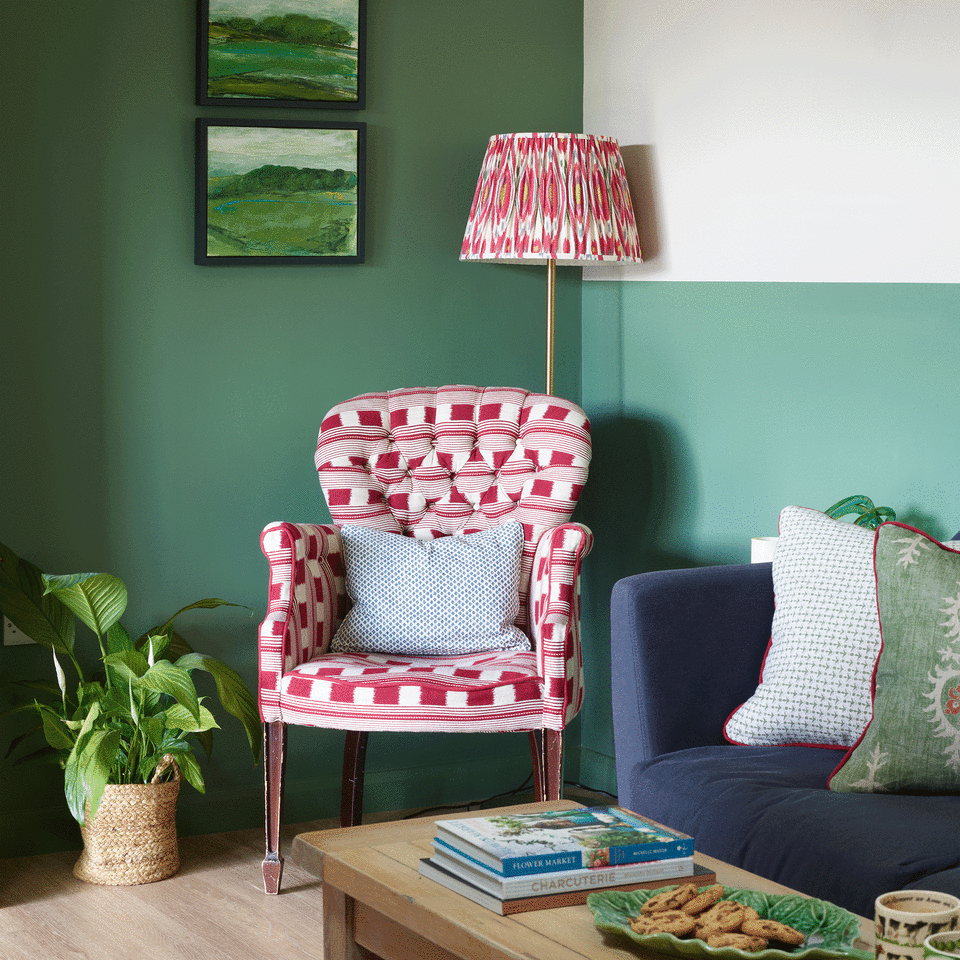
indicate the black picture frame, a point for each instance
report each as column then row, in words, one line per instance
column 298, row 78
column 279, row 192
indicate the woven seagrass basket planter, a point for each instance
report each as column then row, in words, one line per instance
column 133, row 837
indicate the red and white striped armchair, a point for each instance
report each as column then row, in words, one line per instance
column 428, row 463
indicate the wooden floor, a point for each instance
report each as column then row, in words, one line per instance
column 214, row 908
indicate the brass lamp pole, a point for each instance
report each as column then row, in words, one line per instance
column 544, row 197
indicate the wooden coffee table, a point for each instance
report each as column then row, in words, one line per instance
column 375, row 903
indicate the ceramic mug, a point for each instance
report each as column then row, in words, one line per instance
column 944, row 945
column 905, row 918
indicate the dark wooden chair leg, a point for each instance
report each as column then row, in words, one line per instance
column 354, row 760
column 274, row 760
column 536, row 754
column 553, row 763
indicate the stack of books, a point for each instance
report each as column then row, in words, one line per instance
column 516, row 862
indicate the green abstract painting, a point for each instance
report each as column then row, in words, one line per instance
column 281, row 52
column 275, row 192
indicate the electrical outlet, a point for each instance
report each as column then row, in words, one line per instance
column 12, row 636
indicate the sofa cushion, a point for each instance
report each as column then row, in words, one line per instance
column 815, row 681
column 768, row 810
column 442, row 597
column 913, row 741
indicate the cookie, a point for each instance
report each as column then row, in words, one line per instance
column 740, row 941
column 663, row 921
column 773, row 930
column 672, row 899
column 725, row 916
column 703, row 900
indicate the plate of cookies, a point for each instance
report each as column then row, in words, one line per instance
column 728, row 923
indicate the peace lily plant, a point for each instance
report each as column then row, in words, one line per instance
column 115, row 727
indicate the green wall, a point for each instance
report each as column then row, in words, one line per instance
column 158, row 414
column 714, row 405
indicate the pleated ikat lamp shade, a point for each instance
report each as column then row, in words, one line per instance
column 549, row 198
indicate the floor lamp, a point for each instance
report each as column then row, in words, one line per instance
column 552, row 198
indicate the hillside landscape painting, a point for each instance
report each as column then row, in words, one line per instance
column 276, row 192
column 281, row 52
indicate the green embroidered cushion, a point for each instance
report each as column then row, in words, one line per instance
column 912, row 744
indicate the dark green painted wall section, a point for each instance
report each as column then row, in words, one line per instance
column 714, row 405
column 157, row 414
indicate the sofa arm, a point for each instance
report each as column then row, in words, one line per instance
column 555, row 619
column 307, row 601
column 686, row 649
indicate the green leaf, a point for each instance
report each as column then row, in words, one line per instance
column 118, row 640
column 42, row 618
column 87, row 770
column 43, row 686
column 98, row 599
column 153, row 729
column 12, row 746
column 173, row 680
column 88, row 721
column 208, row 604
column 91, row 692
column 127, row 664
column 233, row 693
column 172, row 645
column 205, row 739
column 157, row 645
column 189, row 766
column 57, row 733
column 19, row 708
column 178, row 718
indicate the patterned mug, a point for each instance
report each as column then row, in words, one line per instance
column 944, row 945
column 906, row 918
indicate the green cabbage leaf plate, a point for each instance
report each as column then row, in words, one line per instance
column 830, row 930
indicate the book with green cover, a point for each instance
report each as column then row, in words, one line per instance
column 587, row 837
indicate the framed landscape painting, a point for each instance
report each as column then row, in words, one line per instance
column 281, row 53
column 279, row 193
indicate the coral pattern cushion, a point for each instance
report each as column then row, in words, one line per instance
column 912, row 744
column 815, row 683
column 432, row 597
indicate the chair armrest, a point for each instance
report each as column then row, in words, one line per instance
column 555, row 619
column 307, row 602
column 686, row 649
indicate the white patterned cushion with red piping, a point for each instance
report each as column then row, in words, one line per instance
column 405, row 461
column 815, row 681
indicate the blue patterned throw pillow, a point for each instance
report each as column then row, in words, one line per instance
column 441, row 597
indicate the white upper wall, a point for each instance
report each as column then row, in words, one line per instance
column 783, row 140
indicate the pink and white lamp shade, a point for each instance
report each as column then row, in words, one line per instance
column 552, row 196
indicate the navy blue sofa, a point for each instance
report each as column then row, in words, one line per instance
column 686, row 648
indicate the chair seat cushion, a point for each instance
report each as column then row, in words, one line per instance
column 498, row 690
column 768, row 810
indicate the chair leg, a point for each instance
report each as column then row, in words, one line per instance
column 536, row 754
column 553, row 763
column 354, row 760
column 274, row 760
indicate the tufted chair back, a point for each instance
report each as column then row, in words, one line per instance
column 434, row 462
